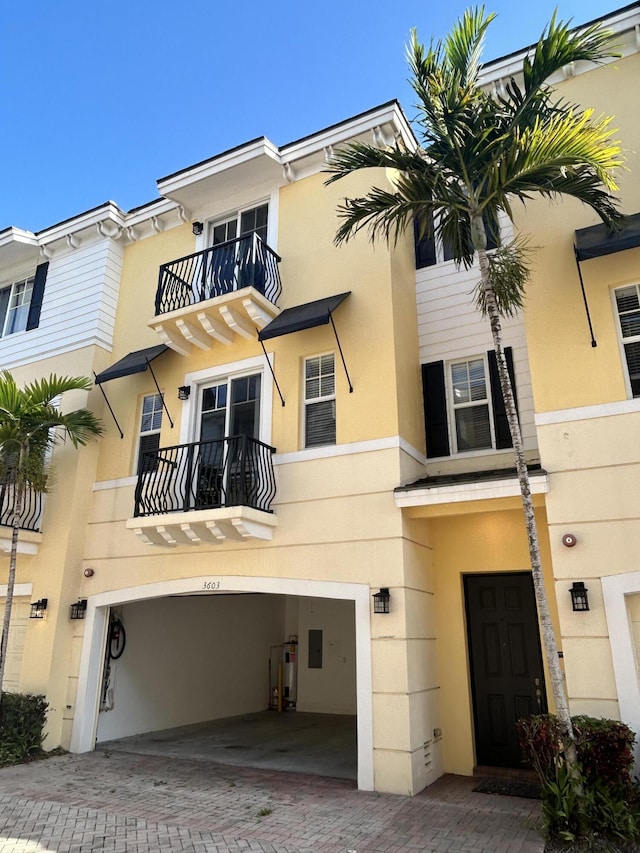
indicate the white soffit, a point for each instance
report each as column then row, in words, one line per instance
column 461, row 492
column 255, row 164
column 17, row 247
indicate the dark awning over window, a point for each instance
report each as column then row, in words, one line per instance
column 597, row 240
column 135, row 362
column 302, row 317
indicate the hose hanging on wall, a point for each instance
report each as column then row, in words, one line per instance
column 117, row 639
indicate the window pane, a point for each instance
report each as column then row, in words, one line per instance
column 320, row 423
column 151, row 413
column 468, row 381
column 312, row 367
column 627, row 298
column 473, row 428
column 460, row 382
column 312, row 389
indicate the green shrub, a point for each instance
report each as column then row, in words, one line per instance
column 608, row 810
column 22, row 720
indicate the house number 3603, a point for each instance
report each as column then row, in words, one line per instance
column 211, row 585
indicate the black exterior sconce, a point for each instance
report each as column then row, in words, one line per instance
column 197, row 228
column 579, row 597
column 38, row 608
column 381, row 600
column 79, row 609
column 184, row 392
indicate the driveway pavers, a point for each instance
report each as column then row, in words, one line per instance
column 127, row 803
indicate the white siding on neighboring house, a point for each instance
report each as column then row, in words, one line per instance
column 78, row 309
column 450, row 327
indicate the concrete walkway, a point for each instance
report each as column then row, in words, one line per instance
column 128, row 803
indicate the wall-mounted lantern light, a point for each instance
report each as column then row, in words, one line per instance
column 381, row 600
column 38, row 608
column 579, row 597
column 183, row 392
column 197, row 228
column 79, row 609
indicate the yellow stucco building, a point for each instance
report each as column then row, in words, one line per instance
column 287, row 453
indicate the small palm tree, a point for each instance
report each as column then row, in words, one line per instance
column 30, row 425
column 478, row 153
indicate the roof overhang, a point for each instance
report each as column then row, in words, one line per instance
column 598, row 240
column 18, row 246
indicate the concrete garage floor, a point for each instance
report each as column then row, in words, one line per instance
column 316, row 744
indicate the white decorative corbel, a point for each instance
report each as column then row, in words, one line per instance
column 157, row 225
column 637, row 29
column 328, row 153
column 131, row 233
column 109, row 229
column 72, row 243
column 289, row 174
column 184, row 215
column 46, row 252
column 569, row 70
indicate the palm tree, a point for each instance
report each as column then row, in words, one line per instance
column 477, row 153
column 30, row 425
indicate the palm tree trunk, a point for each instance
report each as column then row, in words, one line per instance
column 548, row 636
column 18, row 500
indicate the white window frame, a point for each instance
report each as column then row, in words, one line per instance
column 199, row 379
column 320, row 399
column 28, row 283
column 211, row 217
column 621, row 339
column 142, row 432
column 452, row 406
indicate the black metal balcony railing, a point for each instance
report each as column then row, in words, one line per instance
column 219, row 270
column 32, row 504
column 235, row 471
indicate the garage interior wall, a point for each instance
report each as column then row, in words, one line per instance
column 197, row 658
column 192, row 659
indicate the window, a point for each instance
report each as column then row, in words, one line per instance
column 430, row 251
column 150, row 423
column 628, row 305
column 230, row 407
column 21, row 301
column 463, row 405
column 319, row 401
column 470, row 400
column 253, row 221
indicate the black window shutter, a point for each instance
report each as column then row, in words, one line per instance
column 37, row 295
column 150, row 442
column 425, row 244
column 503, row 433
column 435, row 409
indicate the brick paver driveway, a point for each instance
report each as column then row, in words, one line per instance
column 130, row 803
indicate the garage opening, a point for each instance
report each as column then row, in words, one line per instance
column 252, row 679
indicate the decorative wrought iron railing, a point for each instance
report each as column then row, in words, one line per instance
column 32, row 505
column 230, row 266
column 233, row 471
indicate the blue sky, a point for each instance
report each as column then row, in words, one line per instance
column 100, row 100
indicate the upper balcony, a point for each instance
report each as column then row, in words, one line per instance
column 227, row 290
column 30, row 518
column 205, row 491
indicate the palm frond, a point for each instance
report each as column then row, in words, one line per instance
column 509, row 274
column 559, row 46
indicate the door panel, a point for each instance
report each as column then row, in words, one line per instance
column 505, row 660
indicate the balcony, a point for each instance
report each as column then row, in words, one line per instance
column 226, row 290
column 208, row 491
column 30, row 519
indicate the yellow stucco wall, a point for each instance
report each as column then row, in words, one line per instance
column 566, row 370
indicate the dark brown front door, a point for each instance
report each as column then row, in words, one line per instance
column 506, row 663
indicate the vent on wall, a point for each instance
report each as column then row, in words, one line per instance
column 428, row 762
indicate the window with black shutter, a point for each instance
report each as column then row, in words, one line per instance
column 463, row 405
column 149, row 440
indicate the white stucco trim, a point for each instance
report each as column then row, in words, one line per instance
column 390, row 443
column 85, row 722
column 20, row 589
column 615, row 588
column 114, row 484
column 456, row 493
column 585, row 413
